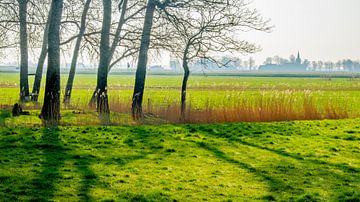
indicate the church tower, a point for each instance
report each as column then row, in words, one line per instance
column 298, row 59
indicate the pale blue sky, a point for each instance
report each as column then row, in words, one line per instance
column 319, row 29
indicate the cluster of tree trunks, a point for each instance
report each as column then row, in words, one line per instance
column 70, row 81
column 187, row 36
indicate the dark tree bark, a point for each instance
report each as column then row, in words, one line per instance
column 70, row 81
column 24, row 83
column 40, row 65
column 102, row 103
column 184, row 87
column 50, row 112
column 137, row 98
column 113, row 46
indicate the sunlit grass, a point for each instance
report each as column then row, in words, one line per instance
column 290, row 161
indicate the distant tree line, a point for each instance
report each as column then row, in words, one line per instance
column 110, row 31
column 341, row 65
column 224, row 63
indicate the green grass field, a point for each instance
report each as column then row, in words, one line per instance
column 290, row 161
column 277, row 161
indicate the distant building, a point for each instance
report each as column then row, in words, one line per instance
column 297, row 66
column 156, row 68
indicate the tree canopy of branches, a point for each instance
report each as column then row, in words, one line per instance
column 194, row 29
column 191, row 30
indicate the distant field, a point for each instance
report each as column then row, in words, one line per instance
column 215, row 93
column 291, row 161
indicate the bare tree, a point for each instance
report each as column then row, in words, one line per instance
column 203, row 29
column 126, row 35
column 69, row 29
column 178, row 12
column 27, row 22
column 75, row 56
column 51, row 108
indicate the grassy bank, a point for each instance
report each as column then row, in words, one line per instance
column 289, row 161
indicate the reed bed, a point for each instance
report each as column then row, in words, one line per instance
column 280, row 106
column 210, row 100
column 234, row 107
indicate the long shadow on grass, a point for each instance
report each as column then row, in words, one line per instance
column 55, row 154
column 148, row 140
column 89, row 178
column 84, row 161
column 142, row 141
column 275, row 184
column 341, row 166
column 311, row 169
column 45, row 155
column 145, row 141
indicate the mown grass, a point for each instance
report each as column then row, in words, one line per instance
column 288, row 161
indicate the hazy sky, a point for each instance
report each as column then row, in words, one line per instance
column 319, row 29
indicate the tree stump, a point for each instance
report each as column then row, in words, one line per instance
column 17, row 110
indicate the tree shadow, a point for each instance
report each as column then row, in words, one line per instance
column 142, row 142
column 300, row 176
column 340, row 166
column 54, row 152
column 275, row 184
column 90, row 179
column 48, row 157
column 148, row 140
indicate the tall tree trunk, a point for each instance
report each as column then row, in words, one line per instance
column 102, row 103
column 40, row 65
column 51, row 108
column 24, row 83
column 137, row 98
column 184, row 89
column 70, row 81
column 113, row 46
